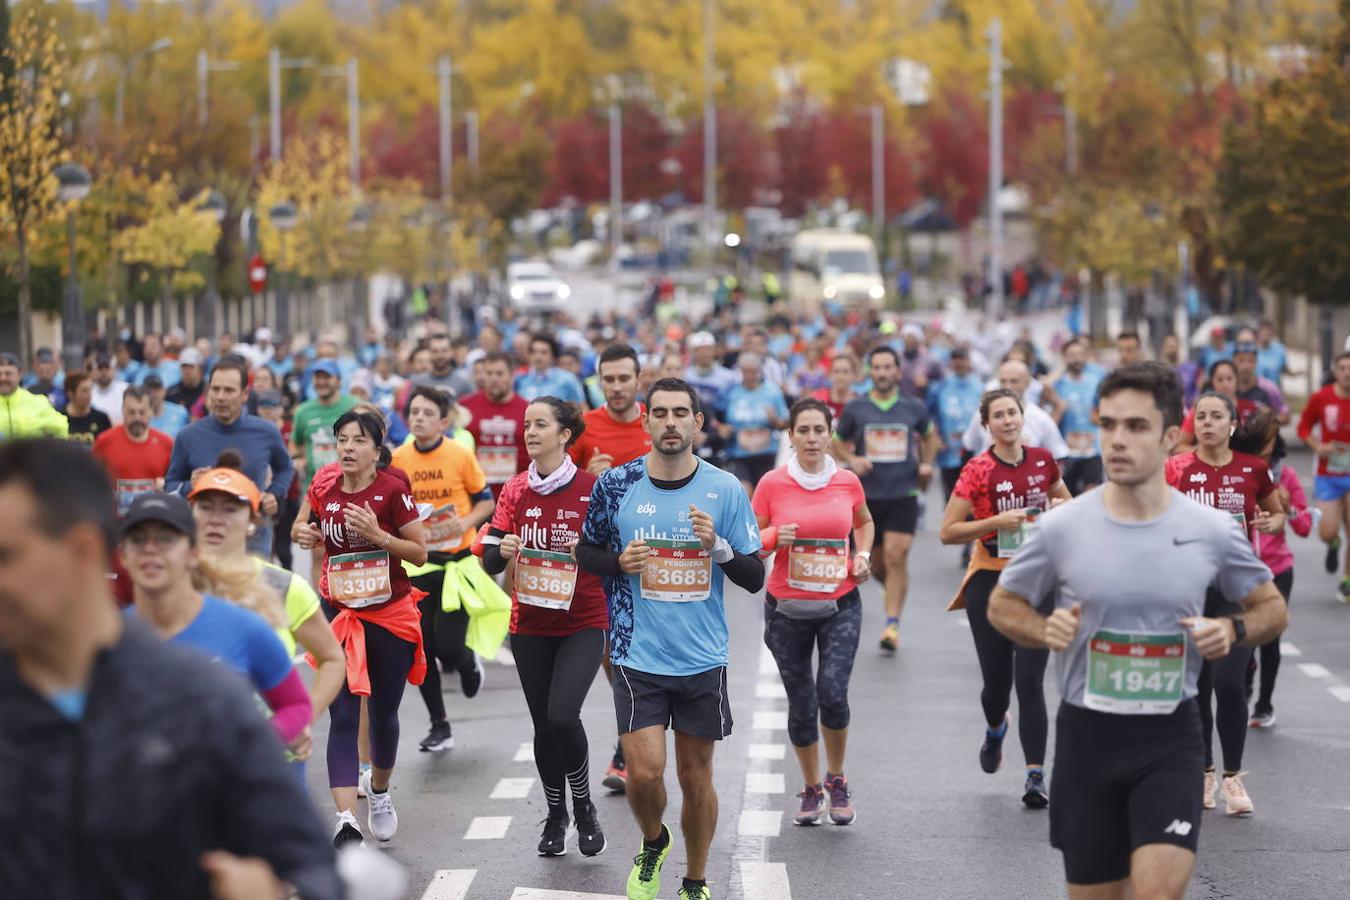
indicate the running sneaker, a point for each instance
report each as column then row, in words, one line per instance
column 1333, row 560
column 590, row 839
column 1343, row 594
column 644, row 882
column 616, row 776
column 1211, row 788
column 1235, row 795
column 1263, row 717
column 694, row 892
column 381, row 819
column 991, row 751
column 363, row 781
column 553, row 842
column 1034, row 794
column 841, row 809
column 346, row 831
column 471, row 678
column 812, row 811
column 890, row 638
column 438, row 738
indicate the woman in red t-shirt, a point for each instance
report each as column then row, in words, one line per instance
column 558, row 613
column 367, row 523
column 1240, row 485
column 994, row 505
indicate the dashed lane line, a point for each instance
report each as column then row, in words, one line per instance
column 449, row 884
column 512, row 789
column 765, row 783
column 765, row 881
column 487, row 828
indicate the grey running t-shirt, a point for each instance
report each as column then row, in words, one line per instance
column 1131, row 577
column 891, row 439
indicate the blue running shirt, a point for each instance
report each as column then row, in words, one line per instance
column 1080, row 395
column 666, row 629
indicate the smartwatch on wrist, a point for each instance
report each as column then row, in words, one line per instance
column 1239, row 629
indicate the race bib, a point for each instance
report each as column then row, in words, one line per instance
column 498, row 463
column 322, row 448
column 545, row 579
column 1338, row 461
column 128, row 489
column 819, row 566
column 1135, row 673
column 1082, row 443
column 1241, row 519
column 754, row 440
column 1009, row 542
column 441, row 538
column 886, row 443
column 677, row 572
column 359, row 579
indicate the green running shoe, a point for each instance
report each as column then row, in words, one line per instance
column 645, row 880
column 694, row 893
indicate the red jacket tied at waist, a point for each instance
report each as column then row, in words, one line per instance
column 400, row 618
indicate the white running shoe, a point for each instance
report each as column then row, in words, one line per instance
column 1235, row 795
column 1211, row 788
column 382, row 820
column 363, row 782
column 346, row 830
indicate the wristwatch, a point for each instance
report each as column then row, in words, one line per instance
column 1239, row 629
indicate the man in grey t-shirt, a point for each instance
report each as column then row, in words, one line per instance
column 1128, row 565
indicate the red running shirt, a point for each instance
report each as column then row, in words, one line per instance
column 549, row 522
column 821, row 515
column 1330, row 413
column 1236, row 488
column 624, row 441
column 497, row 425
column 992, row 486
column 391, row 499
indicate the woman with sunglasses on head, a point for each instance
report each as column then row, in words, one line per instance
column 558, row 613
column 1240, row 485
column 995, row 502
column 367, row 524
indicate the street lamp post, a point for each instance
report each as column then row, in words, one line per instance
column 74, row 185
column 275, row 63
column 283, row 217
column 119, row 100
column 204, row 69
column 214, row 203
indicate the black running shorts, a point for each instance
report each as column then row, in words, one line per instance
column 901, row 515
column 751, row 469
column 696, row 705
column 1121, row 782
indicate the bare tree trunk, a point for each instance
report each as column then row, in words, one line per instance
column 25, row 301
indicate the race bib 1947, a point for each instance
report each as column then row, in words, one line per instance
column 1135, row 673
column 677, row 572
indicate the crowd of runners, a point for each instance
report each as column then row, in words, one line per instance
column 582, row 495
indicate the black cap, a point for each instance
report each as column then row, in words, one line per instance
column 266, row 399
column 158, row 506
column 153, row 380
column 103, row 361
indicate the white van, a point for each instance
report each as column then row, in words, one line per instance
column 831, row 266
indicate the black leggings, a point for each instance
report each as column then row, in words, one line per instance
column 556, row 674
column 442, row 640
column 817, row 695
column 1269, row 652
column 1005, row 666
column 388, row 659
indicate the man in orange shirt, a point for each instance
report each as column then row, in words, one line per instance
column 135, row 455
column 614, row 434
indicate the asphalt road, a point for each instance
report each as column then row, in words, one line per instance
column 930, row 823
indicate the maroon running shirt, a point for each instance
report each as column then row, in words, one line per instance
column 1236, row 488
column 993, row 486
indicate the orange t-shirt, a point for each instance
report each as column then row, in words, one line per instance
column 449, row 475
column 625, row 441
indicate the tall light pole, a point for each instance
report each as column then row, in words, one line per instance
column 446, row 151
column 275, row 63
column 709, row 132
column 204, row 69
column 878, row 177
column 351, row 73
column 615, row 167
column 214, row 204
column 995, row 168
column 283, row 217
column 74, row 184
column 471, row 138
column 119, row 100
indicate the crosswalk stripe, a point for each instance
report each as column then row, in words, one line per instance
column 487, row 828
column 765, row 881
column 767, row 664
column 449, row 884
column 1314, row 670
column 768, row 751
column 760, row 823
column 1341, row 692
column 770, row 690
column 512, row 789
column 525, row 753
column 1288, row 649
column 770, row 720
column 525, row 893
column 764, row 783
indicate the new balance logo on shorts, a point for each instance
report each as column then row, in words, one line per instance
column 1178, row 827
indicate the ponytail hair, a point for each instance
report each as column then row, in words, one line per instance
column 240, row 582
column 372, row 426
column 567, row 415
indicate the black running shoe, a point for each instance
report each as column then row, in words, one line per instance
column 439, row 738
column 590, row 838
column 1333, row 560
column 553, row 842
column 1034, row 794
column 991, row 751
column 471, row 678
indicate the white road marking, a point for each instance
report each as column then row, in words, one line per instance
column 449, row 884
column 525, row 753
column 765, row 881
column 760, row 822
column 1341, row 692
column 767, row 665
column 963, row 621
column 524, row 893
column 1314, row 670
column 770, row 720
column 1288, row 649
column 504, row 657
column 512, row 789
column 764, row 783
column 767, row 751
column 770, row 690
column 487, row 828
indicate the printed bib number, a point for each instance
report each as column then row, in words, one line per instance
column 128, row 489
column 498, row 463
column 545, row 579
column 1338, row 461
column 754, row 440
column 1082, row 443
column 819, row 566
column 1135, row 673
column 359, row 579
column 441, row 528
column 677, row 572
column 886, row 443
column 1009, row 542
column 323, row 448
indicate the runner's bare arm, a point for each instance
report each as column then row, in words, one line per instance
column 315, row 635
column 956, row 530
column 1271, row 519
column 1264, row 613
column 1059, row 493
column 483, row 505
column 1015, row 617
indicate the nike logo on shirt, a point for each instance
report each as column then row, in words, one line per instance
column 1177, row 542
